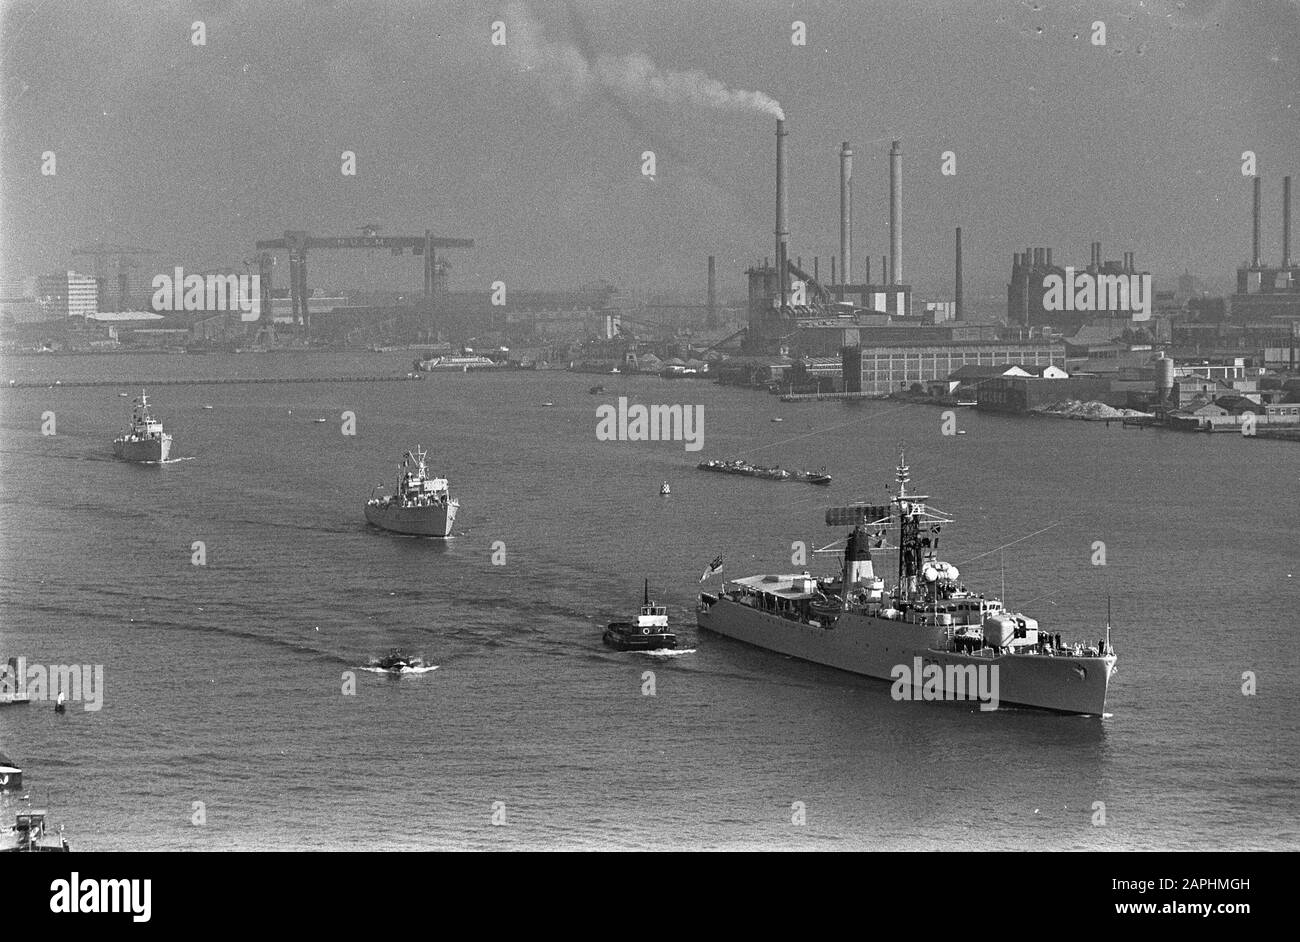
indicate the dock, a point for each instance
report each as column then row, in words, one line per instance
column 236, row 381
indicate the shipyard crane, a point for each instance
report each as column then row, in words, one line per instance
column 297, row 242
column 101, row 251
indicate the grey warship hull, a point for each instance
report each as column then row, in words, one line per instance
column 146, row 450
column 875, row 647
column 414, row 521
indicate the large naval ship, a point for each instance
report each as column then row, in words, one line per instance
column 420, row 505
column 927, row 633
column 145, row 440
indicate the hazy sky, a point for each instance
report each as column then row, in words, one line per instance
column 534, row 149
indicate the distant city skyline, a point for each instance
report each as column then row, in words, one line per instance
column 534, row 149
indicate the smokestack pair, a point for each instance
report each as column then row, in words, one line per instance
column 1256, row 256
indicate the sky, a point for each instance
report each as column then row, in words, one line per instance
column 534, row 148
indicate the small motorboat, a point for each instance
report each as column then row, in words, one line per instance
column 396, row 662
column 547, row 404
column 319, row 421
column 207, row 408
column 648, row 633
column 777, row 418
column 664, row 489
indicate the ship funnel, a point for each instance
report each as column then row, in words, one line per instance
column 857, row 557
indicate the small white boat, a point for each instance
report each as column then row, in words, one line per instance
column 319, row 421
column 664, row 489
column 207, row 408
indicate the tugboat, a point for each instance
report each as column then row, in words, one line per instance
column 926, row 626
column 28, row 836
column 11, row 777
column 649, row 633
column 421, row 506
column 813, row 477
column 145, row 441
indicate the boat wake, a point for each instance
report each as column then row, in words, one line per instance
column 400, row 670
column 172, row 460
column 666, row 652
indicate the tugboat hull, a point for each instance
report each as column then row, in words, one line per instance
column 626, row 637
column 874, row 647
column 413, row 521
column 155, row 449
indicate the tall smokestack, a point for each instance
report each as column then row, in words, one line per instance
column 1255, row 261
column 782, row 220
column 846, row 212
column 713, row 289
column 895, row 213
column 957, row 312
column 1286, row 222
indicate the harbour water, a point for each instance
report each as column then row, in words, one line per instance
column 223, row 682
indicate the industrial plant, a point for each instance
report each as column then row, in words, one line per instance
column 1177, row 352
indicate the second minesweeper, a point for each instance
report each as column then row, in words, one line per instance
column 927, row 632
column 420, row 505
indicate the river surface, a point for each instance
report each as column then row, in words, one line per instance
column 224, row 684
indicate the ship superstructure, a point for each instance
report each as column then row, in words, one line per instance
column 925, row 630
column 421, row 504
column 145, row 440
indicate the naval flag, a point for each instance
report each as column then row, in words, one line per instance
column 715, row 566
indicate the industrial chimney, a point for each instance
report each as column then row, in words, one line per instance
column 1255, row 261
column 713, row 290
column 846, row 213
column 957, row 299
column 895, row 213
column 1286, row 222
column 782, row 213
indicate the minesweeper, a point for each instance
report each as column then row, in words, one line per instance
column 145, row 440
column 927, row 633
column 420, row 506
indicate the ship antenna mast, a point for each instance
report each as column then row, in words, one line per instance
column 1107, row 621
column 647, row 593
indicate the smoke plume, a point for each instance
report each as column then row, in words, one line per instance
column 569, row 74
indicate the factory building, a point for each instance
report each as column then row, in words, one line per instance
column 68, row 294
column 1268, row 292
column 885, row 368
column 1030, row 299
column 546, row 316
